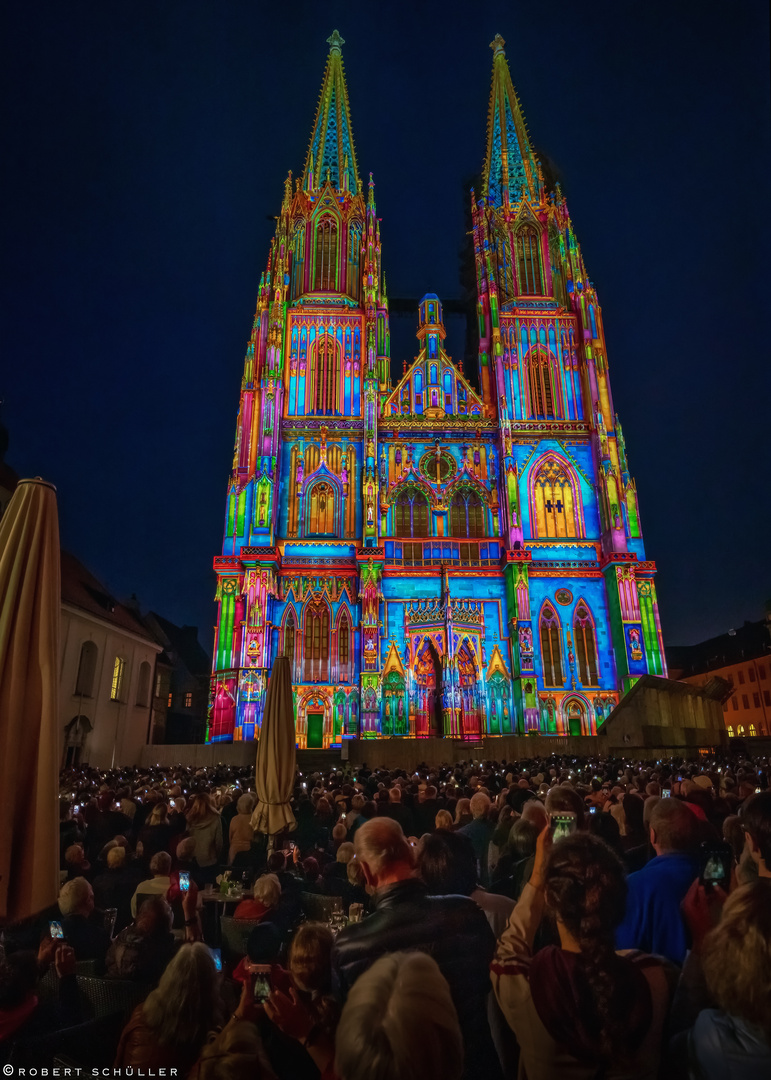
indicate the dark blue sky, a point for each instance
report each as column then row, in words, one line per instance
column 144, row 145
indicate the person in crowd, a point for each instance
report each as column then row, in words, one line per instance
column 169, row 1028
column 107, row 822
column 509, row 878
column 426, row 810
column 652, row 921
column 236, row 1052
column 721, row 1018
column 480, row 832
column 400, row 1023
column 113, row 888
column 24, row 1017
column 579, row 1009
column 452, row 928
column 447, row 864
column 266, row 896
column 637, row 856
column 241, row 832
column 81, row 926
column 756, row 820
column 157, row 832
column 184, row 858
column 606, row 828
column 142, row 950
column 636, row 832
column 177, row 819
column 396, row 810
column 76, row 863
column 205, row 827
column 159, row 884
column 463, row 815
column 69, row 829
column 443, row 820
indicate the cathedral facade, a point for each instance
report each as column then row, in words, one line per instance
column 434, row 559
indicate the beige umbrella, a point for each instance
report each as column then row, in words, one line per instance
column 30, row 595
column 276, row 755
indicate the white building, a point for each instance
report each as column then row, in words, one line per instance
column 108, row 673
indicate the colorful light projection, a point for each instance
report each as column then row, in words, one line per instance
column 435, row 560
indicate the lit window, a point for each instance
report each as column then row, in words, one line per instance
column 118, row 670
column 555, row 504
column 730, row 732
column 188, row 701
column 740, row 730
column 752, row 730
column 170, row 699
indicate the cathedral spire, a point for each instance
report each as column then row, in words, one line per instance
column 331, row 154
column 510, row 164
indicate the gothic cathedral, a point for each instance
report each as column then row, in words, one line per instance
column 434, row 559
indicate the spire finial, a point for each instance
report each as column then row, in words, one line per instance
column 335, row 42
column 497, row 45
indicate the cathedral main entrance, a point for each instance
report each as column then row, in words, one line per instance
column 428, row 676
column 315, row 739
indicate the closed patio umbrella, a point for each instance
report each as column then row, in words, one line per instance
column 30, row 598
column 276, row 755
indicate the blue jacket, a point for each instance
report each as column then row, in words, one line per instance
column 653, row 921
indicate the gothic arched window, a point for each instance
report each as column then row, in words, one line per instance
column 542, row 403
column 551, row 648
column 554, row 502
column 298, row 264
column 586, row 646
column 143, row 685
column 503, row 266
column 84, row 685
column 326, row 255
column 289, row 634
column 321, row 509
column 467, row 515
column 411, row 514
column 529, row 261
column 317, row 644
column 344, row 648
column 326, row 376
column 354, row 254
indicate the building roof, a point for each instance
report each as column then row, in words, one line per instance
column 182, row 641
column 331, row 153
column 749, row 642
column 82, row 590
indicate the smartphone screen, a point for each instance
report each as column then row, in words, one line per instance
column 715, row 863
column 592, row 809
column 563, row 824
column 216, row 955
column 261, row 983
column 55, row 930
column 666, row 793
column 184, row 880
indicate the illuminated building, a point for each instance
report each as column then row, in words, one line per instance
column 434, row 559
column 743, row 658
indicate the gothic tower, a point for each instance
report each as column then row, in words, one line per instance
column 432, row 559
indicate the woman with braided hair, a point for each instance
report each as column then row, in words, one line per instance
column 580, row 1009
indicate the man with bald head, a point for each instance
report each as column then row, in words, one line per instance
column 452, row 929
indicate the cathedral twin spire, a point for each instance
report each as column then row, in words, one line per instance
column 331, row 154
column 510, row 164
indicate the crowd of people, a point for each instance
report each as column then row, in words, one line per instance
column 556, row 917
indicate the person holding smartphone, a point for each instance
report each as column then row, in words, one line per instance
column 578, row 1008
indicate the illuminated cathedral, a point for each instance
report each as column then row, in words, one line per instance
column 434, row 559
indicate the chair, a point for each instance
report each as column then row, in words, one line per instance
column 319, row 908
column 234, row 934
column 110, row 997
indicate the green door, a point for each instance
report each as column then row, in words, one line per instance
column 315, row 730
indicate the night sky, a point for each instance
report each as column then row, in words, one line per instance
column 144, row 147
